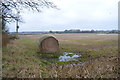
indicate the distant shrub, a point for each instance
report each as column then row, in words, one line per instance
column 7, row 37
column 12, row 37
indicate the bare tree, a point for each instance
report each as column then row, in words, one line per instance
column 10, row 9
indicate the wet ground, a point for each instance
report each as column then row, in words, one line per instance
column 68, row 56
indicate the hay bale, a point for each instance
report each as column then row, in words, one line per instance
column 48, row 44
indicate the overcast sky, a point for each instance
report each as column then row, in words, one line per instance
column 73, row 14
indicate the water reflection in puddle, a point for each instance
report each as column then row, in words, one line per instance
column 69, row 57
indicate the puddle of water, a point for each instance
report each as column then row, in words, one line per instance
column 69, row 57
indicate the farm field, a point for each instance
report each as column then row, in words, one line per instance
column 98, row 57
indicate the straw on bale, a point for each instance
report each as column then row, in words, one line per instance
column 48, row 44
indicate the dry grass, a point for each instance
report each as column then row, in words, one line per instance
column 98, row 68
column 20, row 60
column 100, row 52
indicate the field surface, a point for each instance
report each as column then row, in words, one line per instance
column 99, row 57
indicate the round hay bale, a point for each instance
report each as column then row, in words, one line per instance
column 48, row 44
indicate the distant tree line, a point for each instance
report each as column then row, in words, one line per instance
column 85, row 31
